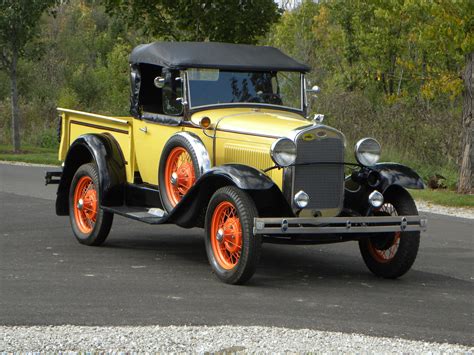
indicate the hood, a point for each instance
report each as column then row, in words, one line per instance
column 259, row 122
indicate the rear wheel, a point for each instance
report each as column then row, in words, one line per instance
column 90, row 224
column 232, row 249
column 391, row 255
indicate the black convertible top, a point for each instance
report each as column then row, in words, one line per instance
column 215, row 55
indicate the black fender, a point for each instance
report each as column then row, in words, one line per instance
column 392, row 176
column 397, row 174
column 268, row 198
column 104, row 150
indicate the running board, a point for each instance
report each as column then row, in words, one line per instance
column 143, row 214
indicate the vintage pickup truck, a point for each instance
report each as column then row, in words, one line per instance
column 219, row 139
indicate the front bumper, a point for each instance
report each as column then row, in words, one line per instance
column 338, row 225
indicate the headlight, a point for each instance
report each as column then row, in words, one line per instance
column 367, row 151
column 283, row 152
column 301, row 199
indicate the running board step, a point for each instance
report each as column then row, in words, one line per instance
column 143, row 214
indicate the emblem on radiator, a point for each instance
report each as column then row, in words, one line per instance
column 308, row 137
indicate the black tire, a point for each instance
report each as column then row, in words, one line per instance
column 103, row 220
column 251, row 245
column 409, row 242
column 174, row 142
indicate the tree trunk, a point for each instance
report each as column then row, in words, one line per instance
column 15, row 108
column 467, row 152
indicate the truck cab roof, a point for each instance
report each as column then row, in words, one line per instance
column 215, row 55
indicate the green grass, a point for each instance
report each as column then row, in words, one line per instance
column 444, row 197
column 30, row 154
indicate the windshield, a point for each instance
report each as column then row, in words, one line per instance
column 218, row 87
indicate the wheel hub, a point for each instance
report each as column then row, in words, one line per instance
column 231, row 229
column 174, row 178
column 184, row 176
column 220, row 235
column 89, row 204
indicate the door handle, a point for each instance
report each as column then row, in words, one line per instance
column 143, row 129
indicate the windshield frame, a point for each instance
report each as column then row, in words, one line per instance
column 300, row 110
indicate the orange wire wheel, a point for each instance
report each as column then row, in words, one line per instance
column 179, row 174
column 392, row 254
column 384, row 250
column 232, row 249
column 226, row 235
column 387, row 254
column 85, row 205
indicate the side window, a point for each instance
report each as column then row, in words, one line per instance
column 149, row 98
column 172, row 94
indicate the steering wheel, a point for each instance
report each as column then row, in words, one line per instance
column 266, row 97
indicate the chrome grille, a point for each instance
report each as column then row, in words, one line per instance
column 323, row 183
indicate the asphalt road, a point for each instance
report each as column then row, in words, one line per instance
column 159, row 275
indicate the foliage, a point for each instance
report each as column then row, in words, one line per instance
column 18, row 25
column 390, row 68
column 387, row 68
column 238, row 21
column 83, row 65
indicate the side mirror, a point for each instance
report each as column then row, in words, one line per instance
column 314, row 90
column 159, row 82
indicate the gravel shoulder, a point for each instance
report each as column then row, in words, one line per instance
column 461, row 212
column 223, row 339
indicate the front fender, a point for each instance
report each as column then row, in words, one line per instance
column 191, row 210
column 104, row 150
column 398, row 174
column 390, row 175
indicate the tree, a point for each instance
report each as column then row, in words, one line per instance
column 467, row 153
column 450, row 38
column 237, row 21
column 18, row 26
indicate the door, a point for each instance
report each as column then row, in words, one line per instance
column 161, row 118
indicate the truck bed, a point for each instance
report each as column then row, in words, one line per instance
column 76, row 123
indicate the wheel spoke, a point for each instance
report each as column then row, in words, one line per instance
column 85, row 204
column 387, row 252
column 228, row 250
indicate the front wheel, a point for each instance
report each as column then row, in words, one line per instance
column 90, row 224
column 232, row 249
column 391, row 255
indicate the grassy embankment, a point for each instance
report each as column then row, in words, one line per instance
column 30, row 154
column 444, row 197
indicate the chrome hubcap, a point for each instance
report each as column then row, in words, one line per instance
column 220, row 235
column 174, row 178
column 80, row 204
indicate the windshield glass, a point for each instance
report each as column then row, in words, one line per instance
column 217, row 87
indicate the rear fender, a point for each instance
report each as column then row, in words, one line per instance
column 191, row 210
column 104, row 150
